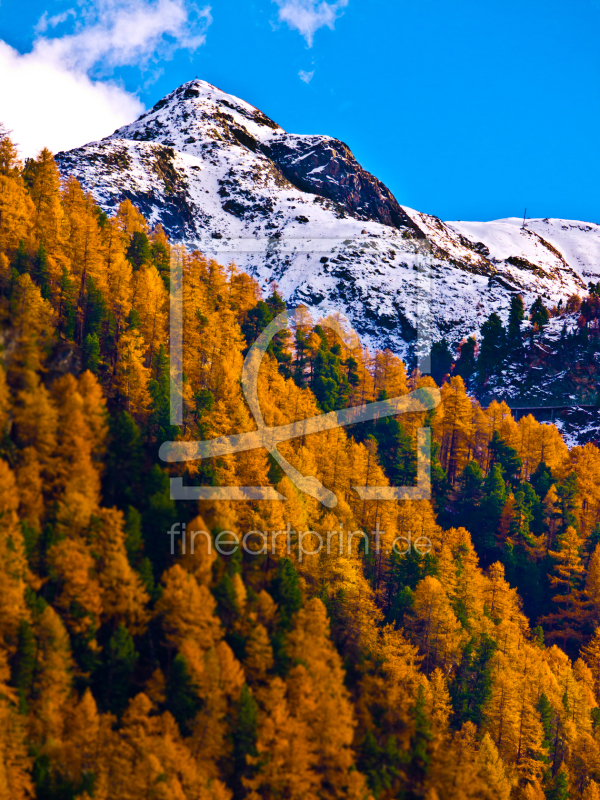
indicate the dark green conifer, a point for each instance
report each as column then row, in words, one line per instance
column 24, row 664
column 539, row 315
column 469, row 497
column 471, row 688
column 419, row 754
column 91, row 352
column 508, row 458
column 467, row 363
column 182, row 699
column 118, row 668
column 159, row 422
column 139, row 252
column 244, row 740
column 20, row 260
column 515, row 318
column 493, row 346
column 40, row 271
column 441, row 361
column 492, row 505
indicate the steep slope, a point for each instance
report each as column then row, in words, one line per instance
column 300, row 212
column 542, row 246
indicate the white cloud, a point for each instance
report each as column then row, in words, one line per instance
column 307, row 16
column 306, row 76
column 50, row 96
column 47, row 105
column 46, row 22
column 117, row 32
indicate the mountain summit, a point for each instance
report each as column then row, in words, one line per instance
column 300, row 212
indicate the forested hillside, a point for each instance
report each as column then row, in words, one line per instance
column 545, row 360
column 128, row 671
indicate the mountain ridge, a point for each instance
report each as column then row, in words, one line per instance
column 300, row 212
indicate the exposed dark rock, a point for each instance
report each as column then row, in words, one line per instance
column 245, row 139
column 65, row 360
column 327, row 167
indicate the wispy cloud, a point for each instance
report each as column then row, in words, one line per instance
column 306, row 76
column 307, row 16
column 52, row 96
column 118, row 32
column 45, row 22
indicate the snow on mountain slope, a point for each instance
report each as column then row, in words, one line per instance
column 548, row 244
column 299, row 211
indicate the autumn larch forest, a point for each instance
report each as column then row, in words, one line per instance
column 129, row 671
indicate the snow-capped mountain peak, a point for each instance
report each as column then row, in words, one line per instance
column 222, row 176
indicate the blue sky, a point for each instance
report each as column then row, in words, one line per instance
column 466, row 110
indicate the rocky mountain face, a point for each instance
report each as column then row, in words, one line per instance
column 299, row 212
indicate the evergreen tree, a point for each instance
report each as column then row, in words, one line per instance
column 405, row 572
column 441, row 361
column 134, row 540
column 466, row 365
column 301, row 361
column 330, row 385
column 567, row 492
column 403, row 472
column 286, row 592
column 226, row 596
column 440, row 486
column 67, row 309
column 24, row 664
column 40, row 271
column 352, row 375
column 492, row 505
column 547, row 719
column 160, row 258
column 244, row 739
column 539, row 314
column 20, row 261
column 395, row 447
column 419, row 753
column 558, row 788
column 519, row 530
column 542, row 479
column 91, row 352
column 257, row 319
column 159, row 422
column 493, row 346
column 133, row 320
column 134, row 545
column 158, row 515
column 181, row 693
column 515, row 318
column 117, row 671
column 471, row 688
column 139, row 252
column 95, row 309
column 469, row 497
column 124, row 457
column 507, row 457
